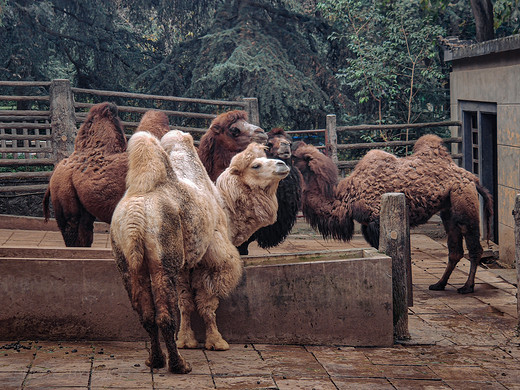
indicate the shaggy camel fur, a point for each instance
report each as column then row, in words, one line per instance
column 248, row 190
column 228, row 134
column 246, row 198
column 288, row 195
column 430, row 181
column 170, row 231
column 147, row 234
column 91, row 181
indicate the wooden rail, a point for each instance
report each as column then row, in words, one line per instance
column 44, row 135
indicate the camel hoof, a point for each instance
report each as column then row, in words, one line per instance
column 437, row 287
column 187, row 344
column 158, row 361
column 465, row 290
column 179, row 367
column 218, row 345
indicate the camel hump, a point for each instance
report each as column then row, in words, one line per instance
column 431, row 144
column 154, row 122
column 145, row 151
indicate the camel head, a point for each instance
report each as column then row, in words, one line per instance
column 154, row 122
column 255, row 169
column 102, row 130
column 278, row 144
column 315, row 167
column 234, row 132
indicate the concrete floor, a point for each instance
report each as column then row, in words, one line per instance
column 457, row 341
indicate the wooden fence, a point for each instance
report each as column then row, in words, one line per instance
column 39, row 122
column 40, row 130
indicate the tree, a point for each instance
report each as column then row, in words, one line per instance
column 260, row 49
column 394, row 65
column 483, row 13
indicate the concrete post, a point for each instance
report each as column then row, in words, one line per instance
column 331, row 138
column 63, row 119
column 516, row 215
column 252, row 111
column 394, row 241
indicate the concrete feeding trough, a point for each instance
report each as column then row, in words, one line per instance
column 339, row 297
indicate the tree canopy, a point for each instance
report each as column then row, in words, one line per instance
column 365, row 60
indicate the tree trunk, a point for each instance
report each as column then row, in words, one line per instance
column 483, row 14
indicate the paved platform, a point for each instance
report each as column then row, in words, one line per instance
column 457, row 341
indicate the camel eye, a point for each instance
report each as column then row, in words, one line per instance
column 235, row 131
column 256, row 166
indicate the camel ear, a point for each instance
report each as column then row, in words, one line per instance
column 216, row 129
column 234, row 170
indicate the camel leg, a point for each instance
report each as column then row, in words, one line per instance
column 140, row 294
column 85, row 232
column 455, row 249
column 165, row 298
column 207, row 305
column 475, row 253
column 139, row 290
column 186, row 337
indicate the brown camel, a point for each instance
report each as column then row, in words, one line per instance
column 430, row 181
column 228, row 134
column 90, row 182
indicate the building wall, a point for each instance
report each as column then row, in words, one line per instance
column 500, row 84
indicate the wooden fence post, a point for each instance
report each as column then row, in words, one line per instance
column 252, row 111
column 394, row 241
column 63, row 119
column 516, row 215
column 331, row 138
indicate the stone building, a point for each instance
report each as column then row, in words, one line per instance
column 485, row 97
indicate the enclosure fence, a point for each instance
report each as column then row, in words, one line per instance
column 39, row 121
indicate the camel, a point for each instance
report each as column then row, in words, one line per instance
column 90, row 182
column 228, row 134
column 430, row 181
column 288, row 195
column 172, row 241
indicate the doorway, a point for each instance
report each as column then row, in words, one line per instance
column 479, row 150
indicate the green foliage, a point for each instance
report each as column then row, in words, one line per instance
column 395, row 71
column 258, row 50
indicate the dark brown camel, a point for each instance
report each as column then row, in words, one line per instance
column 89, row 183
column 288, row 194
column 430, row 181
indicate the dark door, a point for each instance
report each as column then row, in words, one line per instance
column 479, row 149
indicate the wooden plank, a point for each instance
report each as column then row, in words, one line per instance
column 25, row 125
column 399, row 126
column 27, row 149
column 142, row 110
column 25, row 83
column 25, row 175
column 23, row 98
column 11, row 162
column 306, row 131
column 159, row 97
column 35, row 137
column 24, row 112
column 377, row 145
column 25, row 188
column 18, row 118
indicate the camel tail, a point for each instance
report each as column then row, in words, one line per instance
column 46, row 211
column 488, row 208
